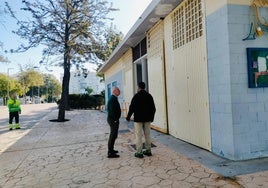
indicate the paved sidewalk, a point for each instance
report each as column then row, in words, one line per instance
column 74, row 154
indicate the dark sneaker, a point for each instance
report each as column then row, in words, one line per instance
column 147, row 152
column 138, row 155
column 112, row 155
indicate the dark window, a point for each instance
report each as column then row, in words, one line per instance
column 136, row 52
column 139, row 73
column 139, row 50
column 143, row 47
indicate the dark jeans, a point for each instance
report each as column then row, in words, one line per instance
column 12, row 115
column 113, row 133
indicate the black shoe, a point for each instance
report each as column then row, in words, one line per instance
column 113, row 155
column 147, row 152
column 114, row 151
column 138, row 155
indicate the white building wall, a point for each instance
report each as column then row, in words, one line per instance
column 78, row 83
column 156, row 74
column 121, row 73
column 186, row 75
column 127, row 82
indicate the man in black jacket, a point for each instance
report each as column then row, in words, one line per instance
column 114, row 114
column 143, row 107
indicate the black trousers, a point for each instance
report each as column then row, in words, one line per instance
column 114, row 126
column 12, row 115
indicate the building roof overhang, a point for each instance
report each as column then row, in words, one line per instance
column 157, row 10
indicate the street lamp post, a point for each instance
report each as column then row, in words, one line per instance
column 47, row 87
column 47, row 94
column 8, row 81
column 38, row 88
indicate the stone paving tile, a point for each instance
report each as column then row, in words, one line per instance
column 254, row 180
column 74, row 154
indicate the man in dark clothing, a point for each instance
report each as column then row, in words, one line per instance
column 114, row 114
column 143, row 107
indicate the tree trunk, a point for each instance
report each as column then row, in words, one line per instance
column 66, row 77
column 65, row 94
column 64, row 97
column 61, row 114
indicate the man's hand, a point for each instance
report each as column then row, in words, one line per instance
column 127, row 118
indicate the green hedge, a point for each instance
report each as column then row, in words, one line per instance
column 85, row 101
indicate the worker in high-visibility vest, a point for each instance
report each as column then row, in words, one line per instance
column 14, row 110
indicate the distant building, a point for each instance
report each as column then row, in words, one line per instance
column 79, row 82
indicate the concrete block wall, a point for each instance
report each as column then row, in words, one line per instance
column 250, row 110
column 239, row 115
column 219, row 83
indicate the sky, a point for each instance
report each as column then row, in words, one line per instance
column 124, row 19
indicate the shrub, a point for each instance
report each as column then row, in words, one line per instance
column 85, row 101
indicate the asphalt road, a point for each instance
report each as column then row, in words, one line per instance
column 30, row 115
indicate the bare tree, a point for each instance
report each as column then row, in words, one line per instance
column 112, row 38
column 3, row 59
column 70, row 29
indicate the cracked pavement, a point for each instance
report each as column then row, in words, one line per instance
column 74, row 154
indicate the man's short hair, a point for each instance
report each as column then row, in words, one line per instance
column 115, row 88
column 141, row 85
